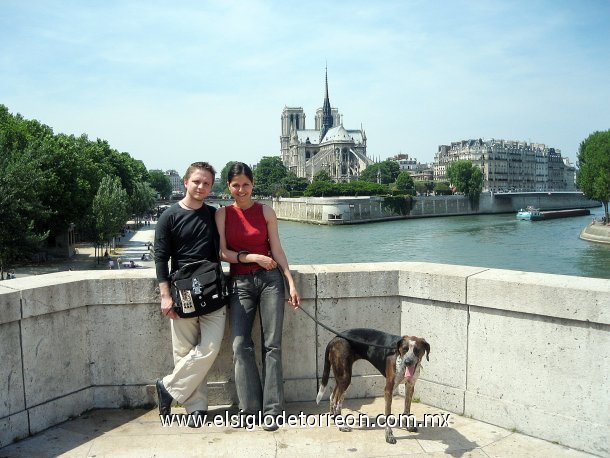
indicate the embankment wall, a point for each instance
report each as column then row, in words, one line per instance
column 352, row 210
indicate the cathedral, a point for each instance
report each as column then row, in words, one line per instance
column 329, row 147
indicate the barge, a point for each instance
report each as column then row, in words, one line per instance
column 533, row 214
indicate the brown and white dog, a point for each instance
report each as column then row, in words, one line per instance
column 397, row 358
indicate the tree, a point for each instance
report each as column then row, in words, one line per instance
column 467, row 178
column 224, row 174
column 160, row 183
column 362, row 188
column 404, row 182
column 109, row 208
column 424, row 187
column 142, row 200
column 385, row 172
column 19, row 206
column 441, row 188
column 593, row 177
column 268, row 175
column 293, row 183
column 322, row 175
column 321, row 189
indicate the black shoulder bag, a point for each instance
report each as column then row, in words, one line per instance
column 199, row 288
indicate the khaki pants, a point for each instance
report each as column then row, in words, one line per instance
column 196, row 342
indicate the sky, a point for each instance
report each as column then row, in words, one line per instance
column 173, row 82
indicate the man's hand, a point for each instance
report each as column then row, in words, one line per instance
column 167, row 303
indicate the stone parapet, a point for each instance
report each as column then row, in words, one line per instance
column 520, row 350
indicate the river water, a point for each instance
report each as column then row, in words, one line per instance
column 496, row 241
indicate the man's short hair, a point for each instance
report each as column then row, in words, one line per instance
column 199, row 165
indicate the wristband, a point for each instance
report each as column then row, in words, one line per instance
column 239, row 254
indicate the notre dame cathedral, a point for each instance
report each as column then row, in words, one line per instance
column 329, row 147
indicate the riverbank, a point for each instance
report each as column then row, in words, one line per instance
column 596, row 232
column 367, row 209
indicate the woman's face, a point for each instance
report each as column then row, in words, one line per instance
column 241, row 187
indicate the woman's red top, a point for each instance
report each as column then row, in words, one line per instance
column 246, row 230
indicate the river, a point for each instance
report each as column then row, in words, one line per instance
column 496, row 241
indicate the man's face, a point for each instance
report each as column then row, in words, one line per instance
column 199, row 184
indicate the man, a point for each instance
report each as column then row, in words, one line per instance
column 186, row 232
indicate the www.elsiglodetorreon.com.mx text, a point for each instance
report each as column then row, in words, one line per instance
column 303, row 420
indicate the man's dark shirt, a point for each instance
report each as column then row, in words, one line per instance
column 184, row 236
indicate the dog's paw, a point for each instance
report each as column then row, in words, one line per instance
column 345, row 429
column 389, row 436
column 412, row 429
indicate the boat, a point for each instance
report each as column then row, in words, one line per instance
column 530, row 214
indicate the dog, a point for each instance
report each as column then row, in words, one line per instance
column 397, row 358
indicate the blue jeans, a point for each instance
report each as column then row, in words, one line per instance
column 262, row 290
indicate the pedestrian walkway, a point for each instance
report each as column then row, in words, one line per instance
column 131, row 246
column 138, row 433
column 137, row 246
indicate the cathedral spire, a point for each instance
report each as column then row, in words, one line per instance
column 327, row 116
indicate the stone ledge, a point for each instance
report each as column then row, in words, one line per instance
column 596, row 233
column 559, row 296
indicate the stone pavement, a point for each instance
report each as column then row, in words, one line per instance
column 138, row 433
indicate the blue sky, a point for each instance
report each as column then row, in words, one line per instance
column 175, row 82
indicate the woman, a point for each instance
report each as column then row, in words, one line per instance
column 250, row 242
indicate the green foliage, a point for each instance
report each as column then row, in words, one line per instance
column 441, row 188
column 19, row 207
column 401, row 205
column 224, row 173
column 424, row 187
column 293, row 183
column 321, row 189
column 593, row 177
column 142, row 200
column 404, row 182
column 160, row 183
column 49, row 181
column 467, row 178
column 268, row 176
column 354, row 188
column 109, row 208
column 322, row 175
column 386, row 172
column 362, row 188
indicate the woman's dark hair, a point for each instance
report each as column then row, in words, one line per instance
column 239, row 168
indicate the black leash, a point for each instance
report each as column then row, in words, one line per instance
column 340, row 334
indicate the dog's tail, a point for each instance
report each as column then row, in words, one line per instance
column 325, row 375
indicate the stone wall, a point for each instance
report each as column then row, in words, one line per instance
column 520, row 350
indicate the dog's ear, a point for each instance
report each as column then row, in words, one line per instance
column 427, row 347
column 398, row 343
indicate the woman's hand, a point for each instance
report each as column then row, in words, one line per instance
column 266, row 262
column 294, row 298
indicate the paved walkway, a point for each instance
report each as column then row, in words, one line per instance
column 131, row 247
column 138, row 433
